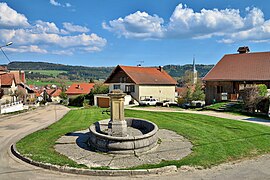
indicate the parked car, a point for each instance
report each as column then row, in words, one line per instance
column 166, row 103
column 193, row 104
column 148, row 102
column 197, row 104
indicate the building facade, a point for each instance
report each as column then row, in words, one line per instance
column 143, row 82
column 234, row 72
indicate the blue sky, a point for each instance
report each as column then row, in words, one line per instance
column 112, row 32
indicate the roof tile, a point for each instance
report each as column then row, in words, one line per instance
column 146, row 75
column 80, row 88
column 243, row 67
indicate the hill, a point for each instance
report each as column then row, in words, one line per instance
column 38, row 70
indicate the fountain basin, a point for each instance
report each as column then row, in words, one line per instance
column 141, row 137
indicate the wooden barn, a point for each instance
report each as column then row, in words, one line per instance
column 235, row 72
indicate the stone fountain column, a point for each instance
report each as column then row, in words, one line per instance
column 117, row 125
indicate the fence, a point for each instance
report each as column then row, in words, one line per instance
column 12, row 107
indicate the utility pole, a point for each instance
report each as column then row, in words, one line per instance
column 8, row 44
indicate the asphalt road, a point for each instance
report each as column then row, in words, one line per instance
column 13, row 128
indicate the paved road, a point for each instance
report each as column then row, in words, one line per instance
column 13, row 128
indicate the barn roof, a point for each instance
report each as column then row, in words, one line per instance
column 243, row 67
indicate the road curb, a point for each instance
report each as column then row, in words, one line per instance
column 65, row 169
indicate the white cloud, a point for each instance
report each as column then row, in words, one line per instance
column 46, row 37
column 45, row 27
column 185, row 22
column 10, row 18
column 227, row 25
column 22, row 36
column 55, row 3
column 68, row 52
column 75, row 28
column 137, row 25
column 23, row 49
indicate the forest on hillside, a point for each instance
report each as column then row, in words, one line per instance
column 39, row 70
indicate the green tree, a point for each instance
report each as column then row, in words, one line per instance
column 98, row 89
column 188, row 96
column 262, row 90
column 63, row 95
column 198, row 94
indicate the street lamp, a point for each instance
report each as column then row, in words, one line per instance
column 8, row 44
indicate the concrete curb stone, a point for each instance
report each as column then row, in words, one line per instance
column 92, row 172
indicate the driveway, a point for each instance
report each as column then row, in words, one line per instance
column 208, row 113
column 13, row 128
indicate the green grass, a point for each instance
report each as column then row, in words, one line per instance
column 215, row 106
column 53, row 73
column 236, row 109
column 43, row 83
column 215, row 140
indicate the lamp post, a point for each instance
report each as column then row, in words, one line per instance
column 1, row 47
column 8, row 44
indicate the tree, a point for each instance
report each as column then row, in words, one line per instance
column 188, row 96
column 187, row 79
column 98, row 89
column 19, row 93
column 262, row 90
column 198, row 93
column 253, row 95
column 63, row 95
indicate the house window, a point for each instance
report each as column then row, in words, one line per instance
column 116, row 86
column 219, row 89
column 123, row 79
column 129, row 88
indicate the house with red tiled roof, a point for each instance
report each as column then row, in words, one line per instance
column 55, row 96
column 143, row 82
column 79, row 89
column 7, row 83
column 12, row 82
column 235, row 72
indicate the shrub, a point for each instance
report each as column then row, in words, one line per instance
column 262, row 90
column 263, row 105
column 76, row 101
column 98, row 89
column 255, row 98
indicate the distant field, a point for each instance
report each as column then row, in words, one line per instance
column 53, row 73
column 43, row 83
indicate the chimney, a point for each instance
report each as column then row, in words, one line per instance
column 243, row 49
column 78, row 86
column 22, row 76
column 160, row 68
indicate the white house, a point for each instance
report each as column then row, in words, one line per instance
column 143, row 82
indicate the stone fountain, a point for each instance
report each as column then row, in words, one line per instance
column 122, row 135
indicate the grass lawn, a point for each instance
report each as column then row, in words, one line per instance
column 215, row 140
column 43, row 83
column 53, row 73
column 215, row 106
column 236, row 109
